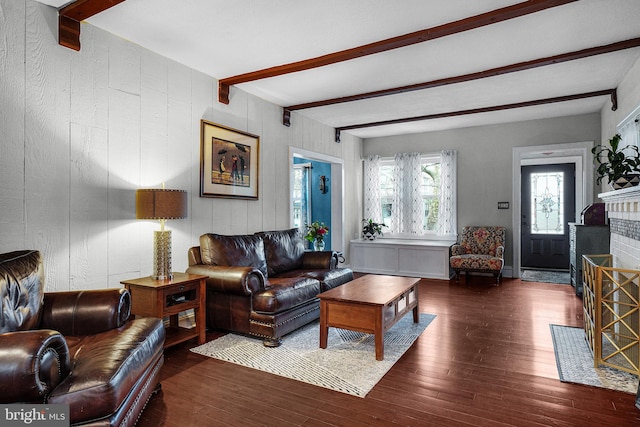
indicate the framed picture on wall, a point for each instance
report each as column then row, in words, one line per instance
column 229, row 162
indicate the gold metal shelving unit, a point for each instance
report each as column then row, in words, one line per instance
column 612, row 313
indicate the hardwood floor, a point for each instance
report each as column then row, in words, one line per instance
column 486, row 360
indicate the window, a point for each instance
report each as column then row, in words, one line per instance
column 629, row 129
column 301, row 195
column 297, row 197
column 413, row 194
column 430, row 168
column 547, row 209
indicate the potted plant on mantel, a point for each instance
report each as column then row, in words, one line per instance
column 620, row 168
column 371, row 229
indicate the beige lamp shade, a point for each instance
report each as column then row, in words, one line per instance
column 161, row 204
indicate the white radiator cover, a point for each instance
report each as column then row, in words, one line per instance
column 402, row 257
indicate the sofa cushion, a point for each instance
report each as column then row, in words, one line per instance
column 283, row 250
column 285, row 293
column 329, row 279
column 477, row 262
column 106, row 366
column 240, row 251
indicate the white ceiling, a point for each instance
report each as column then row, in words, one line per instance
column 226, row 38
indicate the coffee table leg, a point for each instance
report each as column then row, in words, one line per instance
column 416, row 311
column 324, row 329
column 379, row 334
column 379, row 345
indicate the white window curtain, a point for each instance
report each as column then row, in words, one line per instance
column 448, row 210
column 408, row 203
column 372, row 204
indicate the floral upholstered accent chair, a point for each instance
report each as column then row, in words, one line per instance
column 481, row 249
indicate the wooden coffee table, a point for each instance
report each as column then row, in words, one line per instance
column 371, row 304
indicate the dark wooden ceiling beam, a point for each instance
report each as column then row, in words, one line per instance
column 607, row 92
column 69, row 18
column 477, row 21
column 521, row 66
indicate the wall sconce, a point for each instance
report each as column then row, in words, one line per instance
column 323, row 184
column 161, row 204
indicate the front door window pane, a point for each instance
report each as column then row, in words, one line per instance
column 546, row 203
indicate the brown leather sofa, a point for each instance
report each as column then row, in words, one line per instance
column 264, row 284
column 77, row 348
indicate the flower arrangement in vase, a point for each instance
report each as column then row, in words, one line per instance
column 316, row 233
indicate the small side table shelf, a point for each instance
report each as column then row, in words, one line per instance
column 170, row 297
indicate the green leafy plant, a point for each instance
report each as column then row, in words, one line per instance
column 371, row 227
column 613, row 162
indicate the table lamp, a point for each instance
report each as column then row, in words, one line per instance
column 161, row 204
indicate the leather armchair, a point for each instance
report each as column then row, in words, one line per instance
column 481, row 249
column 77, row 348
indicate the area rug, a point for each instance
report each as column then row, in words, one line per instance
column 575, row 362
column 559, row 277
column 348, row 364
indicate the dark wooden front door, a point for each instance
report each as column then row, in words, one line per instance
column 548, row 205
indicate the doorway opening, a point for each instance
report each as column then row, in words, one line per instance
column 311, row 195
column 578, row 153
column 316, row 188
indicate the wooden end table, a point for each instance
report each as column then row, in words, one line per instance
column 371, row 304
column 170, row 297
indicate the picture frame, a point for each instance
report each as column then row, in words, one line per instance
column 229, row 162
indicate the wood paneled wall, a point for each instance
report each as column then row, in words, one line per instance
column 81, row 131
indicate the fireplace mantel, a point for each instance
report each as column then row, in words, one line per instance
column 624, row 200
column 623, row 210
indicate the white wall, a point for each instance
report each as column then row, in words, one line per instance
column 623, row 205
column 485, row 160
column 628, row 99
column 81, row 131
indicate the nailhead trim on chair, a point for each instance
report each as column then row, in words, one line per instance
column 143, row 390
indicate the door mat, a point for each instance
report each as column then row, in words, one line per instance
column 559, row 277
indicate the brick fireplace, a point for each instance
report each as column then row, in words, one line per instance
column 623, row 208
